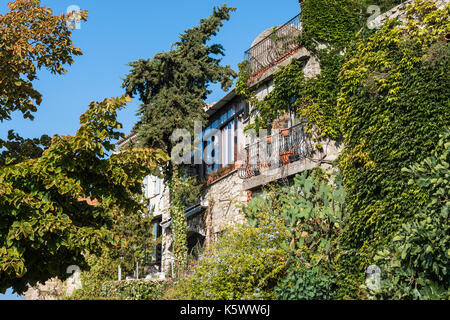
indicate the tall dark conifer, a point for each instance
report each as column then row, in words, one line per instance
column 173, row 85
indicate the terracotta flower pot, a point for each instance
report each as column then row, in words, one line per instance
column 285, row 157
column 285, row 132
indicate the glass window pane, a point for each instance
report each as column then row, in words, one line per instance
column 223, row 118
column 230, row 113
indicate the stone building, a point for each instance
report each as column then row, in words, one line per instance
column 237, row 165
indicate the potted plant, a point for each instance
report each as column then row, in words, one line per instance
column 285, row 157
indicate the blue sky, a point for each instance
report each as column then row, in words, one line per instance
column 118, row 32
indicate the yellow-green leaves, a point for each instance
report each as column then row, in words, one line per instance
column 31, row 38
column 60, row 203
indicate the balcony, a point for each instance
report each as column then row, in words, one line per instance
column 274, row 152
column 280, row 43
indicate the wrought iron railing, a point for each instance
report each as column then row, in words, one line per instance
column 273, row 48
column 286, row 146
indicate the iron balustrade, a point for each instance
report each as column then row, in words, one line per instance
column 281, row 41
column 286, row 146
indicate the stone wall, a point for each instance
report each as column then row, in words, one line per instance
column 54, row 288
column 223, row 198
column 399, row 12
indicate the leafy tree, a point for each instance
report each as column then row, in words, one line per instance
column 57, row 196
column 31, row 38
column 44, row 227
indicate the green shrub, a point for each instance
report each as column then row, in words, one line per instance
column 101, row 269
column 306, row 284
column 312, row 215
column 245, row 263
column 133, row 289
column 313, row 210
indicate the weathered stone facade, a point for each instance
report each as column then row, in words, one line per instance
column 223, row 197
column 54, row 288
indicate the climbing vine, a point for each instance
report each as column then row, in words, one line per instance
column 392, row 106
column 383, row 91
column 326, row 34
column 184, row 193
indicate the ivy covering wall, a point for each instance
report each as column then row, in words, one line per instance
column 384, row 93
column 326, row 34
column 393, row 104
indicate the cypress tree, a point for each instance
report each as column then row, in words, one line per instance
column 173, row 85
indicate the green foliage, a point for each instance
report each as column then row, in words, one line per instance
column 173, row 85
column 133, row 290
column 315, row 98
column 286, row 252
column 311, row 216
column 184, row 193
column 46, row 224
column 336, row 24
column 101, row 269
column 137, row 245
column 138, row 242
column 306, row 284
column 312, row 211
column 393, row 103
column 246, row 263
column 31, row 38
column 416, row 264
column 244, row 74
column 17, row 149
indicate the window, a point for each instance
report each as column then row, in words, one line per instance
column 220, row 147
column 228, row 142
column 156, row 185
column 146, row 187
column 151, row 186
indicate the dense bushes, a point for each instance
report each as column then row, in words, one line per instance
column 304, row 283
column 312, row 209
column 101, row 269
column 287, row 251
column 245, row 264
column 133, row 290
